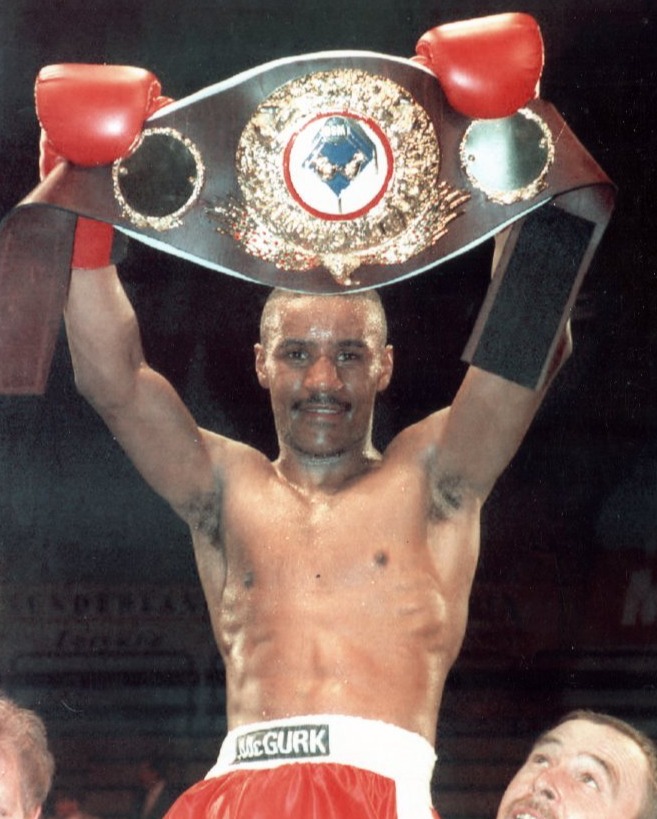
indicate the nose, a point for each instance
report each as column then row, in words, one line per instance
column 322, row 375
column 545, row 785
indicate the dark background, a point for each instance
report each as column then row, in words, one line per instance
column 570, row 526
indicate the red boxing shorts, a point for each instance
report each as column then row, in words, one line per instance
column 315, row 767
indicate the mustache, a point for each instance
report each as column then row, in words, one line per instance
column 536, row 806
column 321, row 399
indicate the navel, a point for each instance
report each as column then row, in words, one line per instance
column 248, row 580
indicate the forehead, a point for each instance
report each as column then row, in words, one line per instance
column 613, row 749
column 584, row 735
column 324, row 317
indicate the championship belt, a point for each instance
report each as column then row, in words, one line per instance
column 327, row 173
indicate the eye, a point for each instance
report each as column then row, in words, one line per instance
column 539, row 759
column 345, row 357
column 295, row 354
column 588, row 779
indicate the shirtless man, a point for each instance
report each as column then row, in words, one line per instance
column 337, row 578
column 588, row 766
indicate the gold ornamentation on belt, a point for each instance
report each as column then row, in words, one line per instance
column 338, row 168
column 160, row 181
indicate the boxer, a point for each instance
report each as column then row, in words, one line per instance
column 337, row 577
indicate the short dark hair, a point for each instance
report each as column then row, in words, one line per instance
column 642, row 740
column 279, row 295
column 23, row 733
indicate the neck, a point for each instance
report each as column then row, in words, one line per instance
column 329, row 473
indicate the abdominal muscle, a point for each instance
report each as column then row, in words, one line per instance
column 377, row 647
column 353, row 603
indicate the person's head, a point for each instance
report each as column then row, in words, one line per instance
column 323, row 360
column 26, row 764
column 589, row 766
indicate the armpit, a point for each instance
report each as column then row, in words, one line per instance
column 447, row 495
column 204, row 515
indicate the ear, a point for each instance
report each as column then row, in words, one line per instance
column 387, row 363
column 261, row 370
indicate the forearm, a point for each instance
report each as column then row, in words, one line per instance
column 103, row 337
column 488, row 420
column 562, row 353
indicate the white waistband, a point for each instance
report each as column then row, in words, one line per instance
column 379, row 747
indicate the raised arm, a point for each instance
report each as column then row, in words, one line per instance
column 140, row 407
column 489, row 417
column 91, row 115
column 469, row 444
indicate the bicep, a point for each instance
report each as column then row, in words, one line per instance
column 163, row 441
column 484, row 428
column 464, row 448
column 141, row 408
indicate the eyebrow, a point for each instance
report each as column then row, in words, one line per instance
column 290, row 342
column 609, row 771
column 352, row 342
column 347, row 342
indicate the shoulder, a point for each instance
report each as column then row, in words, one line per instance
column 227, row 454
column 417, row 442
column 422, row 449
column 231, row 462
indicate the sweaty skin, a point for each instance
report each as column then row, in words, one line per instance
column 337, row 578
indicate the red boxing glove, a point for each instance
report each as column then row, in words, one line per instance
column 92, row 115
column 488, row 67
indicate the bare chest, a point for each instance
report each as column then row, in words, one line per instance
column 375, row 542
column 346, row 538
